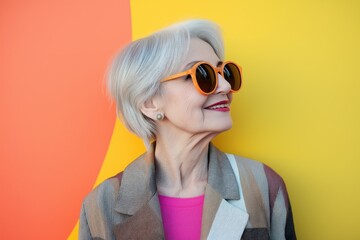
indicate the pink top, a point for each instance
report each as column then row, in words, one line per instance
column 181, row 217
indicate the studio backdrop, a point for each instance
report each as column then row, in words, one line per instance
column 298, row 110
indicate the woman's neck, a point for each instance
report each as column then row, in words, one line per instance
column 181, row 166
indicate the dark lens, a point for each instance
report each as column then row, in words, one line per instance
column 205, row 77
column 232, row 75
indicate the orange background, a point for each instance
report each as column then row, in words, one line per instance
column 56, row 120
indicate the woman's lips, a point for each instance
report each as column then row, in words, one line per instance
column 222, row 106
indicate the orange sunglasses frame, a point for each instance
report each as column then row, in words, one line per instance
column 192, row 73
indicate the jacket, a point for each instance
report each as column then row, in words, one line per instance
column 126, row 206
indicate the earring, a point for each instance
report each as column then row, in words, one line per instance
column 159, row 116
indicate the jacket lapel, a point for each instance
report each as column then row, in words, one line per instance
column 221, row 220
column 138, row 201
column 144, row 224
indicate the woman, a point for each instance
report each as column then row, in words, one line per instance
column 173, row 89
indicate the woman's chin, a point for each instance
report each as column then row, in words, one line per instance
column 223, row 128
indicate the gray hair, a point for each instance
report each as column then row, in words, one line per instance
column 135, row 74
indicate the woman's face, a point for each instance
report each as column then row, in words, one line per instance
column 185, row 108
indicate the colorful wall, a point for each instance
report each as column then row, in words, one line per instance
column 298, row 110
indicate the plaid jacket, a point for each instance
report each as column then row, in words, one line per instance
column 126, row 206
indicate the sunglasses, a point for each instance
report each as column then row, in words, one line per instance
column 205, row 76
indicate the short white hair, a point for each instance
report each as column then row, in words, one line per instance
column 135, row 74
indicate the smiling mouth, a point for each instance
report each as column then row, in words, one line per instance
column 218, row 106
column 222, row 106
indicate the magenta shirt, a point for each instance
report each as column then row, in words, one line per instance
column 181, row 217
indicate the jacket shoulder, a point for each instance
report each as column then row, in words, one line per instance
column 275, row 196
column 106, row 190
column 269, row 180
column 97, row 209
column 258, row 168
column 103, row 198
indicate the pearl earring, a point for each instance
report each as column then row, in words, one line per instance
column 159, row 116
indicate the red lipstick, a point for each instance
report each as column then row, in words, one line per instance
column 222, row 106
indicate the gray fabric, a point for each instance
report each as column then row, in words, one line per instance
column 240, row 203
column 126, row 206
column 229, row 223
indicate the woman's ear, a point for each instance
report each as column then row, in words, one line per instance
column 150, row 108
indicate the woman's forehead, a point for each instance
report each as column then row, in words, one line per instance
column 200, row 50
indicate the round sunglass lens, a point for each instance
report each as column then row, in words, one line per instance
column 206, row 78
column 232, row 75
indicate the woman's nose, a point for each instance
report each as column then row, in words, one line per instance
column 223, row 85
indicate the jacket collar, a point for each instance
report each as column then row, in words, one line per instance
column 138, row 195
column 138, row 184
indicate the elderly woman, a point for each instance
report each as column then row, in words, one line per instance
column 174, row 90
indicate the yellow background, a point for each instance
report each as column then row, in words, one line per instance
column 298, row 110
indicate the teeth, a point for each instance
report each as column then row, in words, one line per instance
column 219, row 106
